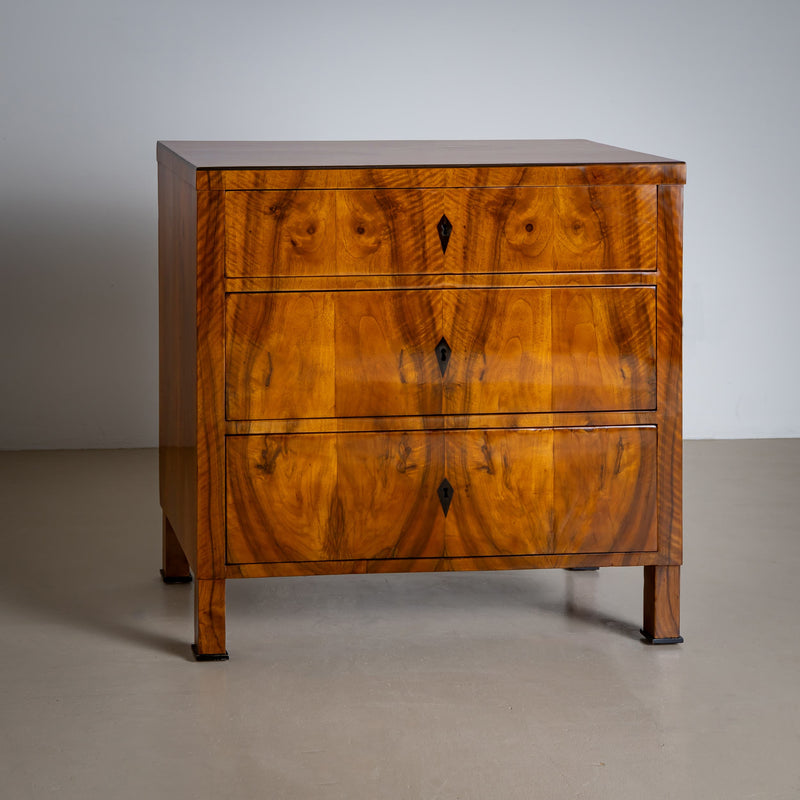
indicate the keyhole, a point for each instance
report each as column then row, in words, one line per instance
column 444, row 354
column 445, row 493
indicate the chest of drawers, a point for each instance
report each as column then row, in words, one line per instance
column 417, row 356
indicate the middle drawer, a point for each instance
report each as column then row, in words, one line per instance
column 295, row 355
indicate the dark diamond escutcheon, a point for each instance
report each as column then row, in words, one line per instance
column 445, row 228
column 443, row 353
column 445, row 492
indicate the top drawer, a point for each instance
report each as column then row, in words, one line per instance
column 411, row 231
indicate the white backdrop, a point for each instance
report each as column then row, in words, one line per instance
column 87, row 87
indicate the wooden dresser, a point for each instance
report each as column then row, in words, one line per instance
column 418, row 356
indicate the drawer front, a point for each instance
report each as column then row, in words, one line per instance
column 567, row 490
column 434, row 231
column 560, row 229
column 320, row 497
column 347, row 354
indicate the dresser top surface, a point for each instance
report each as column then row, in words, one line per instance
column 408, row 153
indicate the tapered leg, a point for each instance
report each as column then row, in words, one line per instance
column 209, row 619
column 662, row 602
column 174, row 566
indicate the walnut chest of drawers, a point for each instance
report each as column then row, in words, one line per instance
column 416, row 356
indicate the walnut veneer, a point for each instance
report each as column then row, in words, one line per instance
column 414, row 356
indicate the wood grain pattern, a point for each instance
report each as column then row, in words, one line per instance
column 553, row 229
column 502, row 493
column 305, row 425
column 670, row 375
column 388, row 232
column 431, row 177
column 662, row 594
column 317, row 354
column 603, row 350
column 437, row 281
column 390, row 565
column 280, row 233
column 322, row 497
column 604, row 497
column 581, row 419
column 385, row 353
column 210, row 399
column 551, row 491
column 605, row 228
column 393, row 232
column 525, row 350
column 501, row 343
column 209, row 603
column 177, row 426
column 174, row 565
column 280, row 355
column 373, row 353
column 332, row 497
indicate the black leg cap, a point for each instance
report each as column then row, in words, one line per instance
column 179, row 579
column 668, row 640
column 209, row 656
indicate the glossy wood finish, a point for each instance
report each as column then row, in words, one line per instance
column 594, row 174
column 551, row 491
column 275, row 344
column 670, row 373
column 177, row 429
column 527, row 350
column 553, row 229
column 345, row 283
column 322, row 497
column 362, row 354
column 305, row 423
column 210, row 387
column 447, row 564
column 388, row 232
column 662, row 593
column 174, row 564
column 209, row 632
column 583, row 419
column 394, row 231
column 279, row 233
column 365, row 155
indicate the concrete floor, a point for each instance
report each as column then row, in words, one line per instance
column 485, row 685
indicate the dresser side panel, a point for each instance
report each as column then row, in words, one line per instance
column 210, row 385
column 670, row 379
column 177, row 251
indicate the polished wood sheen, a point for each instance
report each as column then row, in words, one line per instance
column 346, row 387
column 523, row 350
column 662, row 594
column 326, row 497
column 322, row 497
column 280, row 233
column 394, row 231
column 551, row 491
column 544, row 229
column 386, row 232
column 174, row 564
column 362, row 354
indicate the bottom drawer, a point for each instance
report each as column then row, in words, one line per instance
column 429, row 494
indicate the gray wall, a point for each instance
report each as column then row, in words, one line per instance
column 87, row 87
